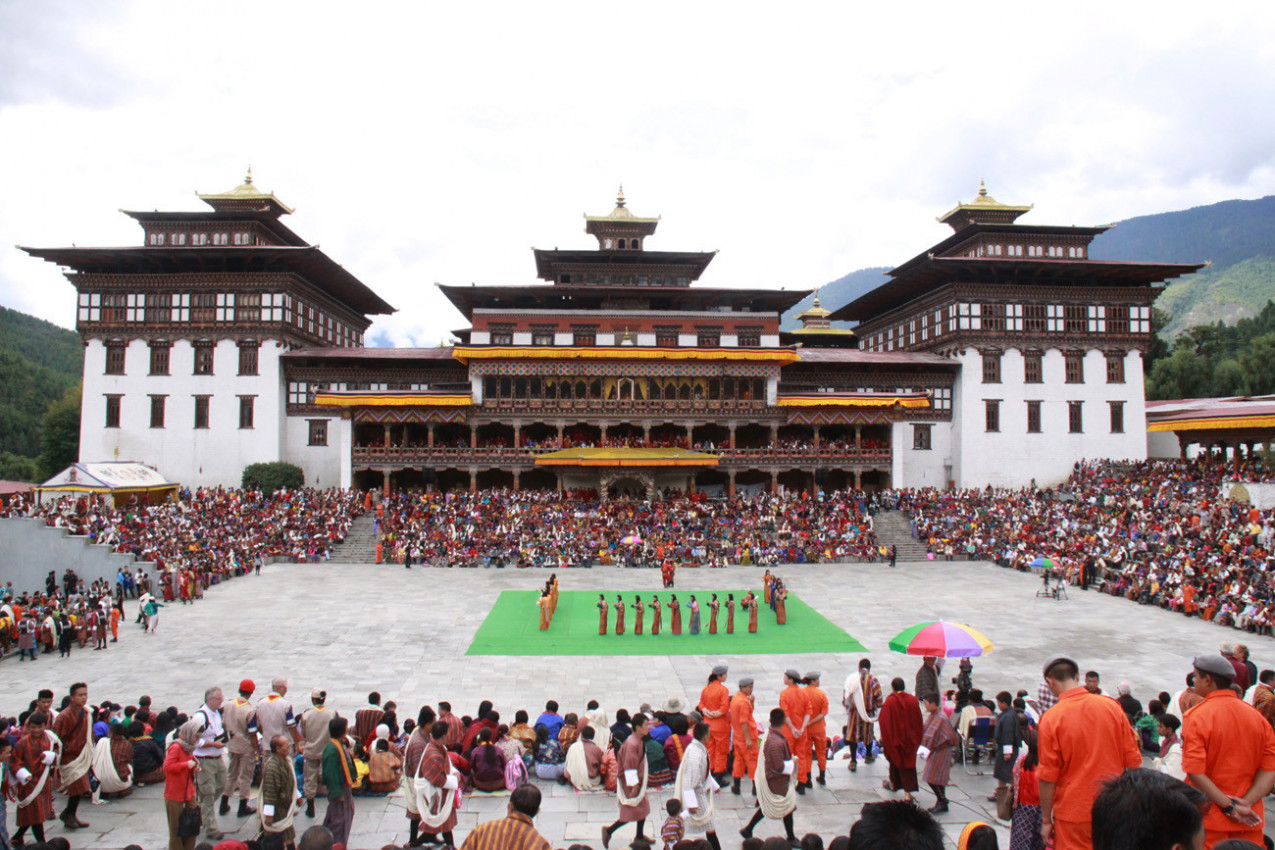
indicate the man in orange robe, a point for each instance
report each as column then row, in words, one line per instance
column 792, row 699
column 714, row 705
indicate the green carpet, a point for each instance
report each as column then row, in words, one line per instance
column 512, row 627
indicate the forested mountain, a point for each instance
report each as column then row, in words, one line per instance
column 39, row 362
column 1236, row 237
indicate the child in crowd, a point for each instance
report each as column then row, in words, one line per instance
column 673, row 828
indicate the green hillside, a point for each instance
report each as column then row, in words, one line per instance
column 38, row 363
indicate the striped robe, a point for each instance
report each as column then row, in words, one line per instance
column 940, row 737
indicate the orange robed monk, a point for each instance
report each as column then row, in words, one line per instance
column 714, row 705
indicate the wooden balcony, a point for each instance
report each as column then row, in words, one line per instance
column 626, row 407
column 524, row 457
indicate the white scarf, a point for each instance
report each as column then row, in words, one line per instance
column 280, row 824
column 578, row 768
column 428, row 795
column 773, row 805
column 637, row 798
column 704, row 786
column 56, row 745
column 598, row 720
column 852, row 695
column 80, row 766
column 104, row 769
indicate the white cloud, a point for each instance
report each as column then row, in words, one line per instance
column 439, row 142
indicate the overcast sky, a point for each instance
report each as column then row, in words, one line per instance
column 439, row 142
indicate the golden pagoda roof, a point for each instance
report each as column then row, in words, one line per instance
column 245, row 191
column 984, row 202
column 621, row 213
column 815, row 311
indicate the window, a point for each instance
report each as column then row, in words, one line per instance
column 221, row 238
column 1033, row 417
column 203, row 308
column 179, row 238
column 992, row 412
column 942, row 398
column 248, row 358
column 201, row 411
column 542, row 338
column 993, row 317
column 749, row 337
column 248, row 307
column 583, row 338
column 157, row 411
column 318, row 432
column 298, row 392
column 502, row 338
column 1115, row 367
column 243, row 239
column 1075, row 367
column 115, row 308
column 921, row 437
column 991, row 367
column 708, row 337
column 1034, row 318
column 246, row 403
column 159, row 308
column 115, row 358
column 204, row 358
column 156, row 239
column 113, row 411
column 1075, row 417
column 159, row 358
column 1117, row 416
column 1075, row 318
column 1032, row 369
column 666, row 337
column 199, row 238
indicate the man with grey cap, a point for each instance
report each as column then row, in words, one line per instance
column 714, row 707
column 1228, row 752
column 1083, row 741
column 746, row 732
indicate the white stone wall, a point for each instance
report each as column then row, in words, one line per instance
column 922, row 467
column 182, row 453
column 1012, row 457
column 324, row 466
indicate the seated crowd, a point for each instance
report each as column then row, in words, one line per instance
column 535, row 528
column 1157, row 532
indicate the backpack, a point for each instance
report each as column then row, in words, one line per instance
column 515, row 773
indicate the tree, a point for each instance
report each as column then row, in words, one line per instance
column 1158, row 347
column 18, row 468
column 60, row 433
column 270, row 477
column 1258, row 363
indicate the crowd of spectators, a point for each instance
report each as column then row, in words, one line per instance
column 1156, row 532
column 529, row 528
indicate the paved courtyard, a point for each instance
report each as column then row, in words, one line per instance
column 351, row 629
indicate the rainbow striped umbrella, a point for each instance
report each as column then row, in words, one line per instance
column 941, row 639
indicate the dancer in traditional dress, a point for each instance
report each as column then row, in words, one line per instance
column 619, row 614
column 603, row 608
column 694, row 606
column 676, row 608
column 657, row 613
column 730, row 613
column 713, row 607
column 639, row 615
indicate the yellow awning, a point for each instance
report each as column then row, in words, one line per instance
column 1214, row 423
column 403, row 399
column 627, row 457
column 465, row 353
column 917, row 400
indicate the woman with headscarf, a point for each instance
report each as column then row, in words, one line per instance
column 180, row 768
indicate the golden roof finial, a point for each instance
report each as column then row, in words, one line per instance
column 619, row 198
column 248, row 178
column 817, row 297
column 982, row 189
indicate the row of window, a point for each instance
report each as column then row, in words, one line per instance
column 182, row 239
column 209, row 308
column 623, row 279
column 704, row 338
column 318, row 428
column 205, row 354
column 1075, row 416
column 1073, row 367
column 1055, row 251
column 1013, row 318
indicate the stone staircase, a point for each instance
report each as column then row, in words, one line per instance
column 894, row 528
column 359, row 546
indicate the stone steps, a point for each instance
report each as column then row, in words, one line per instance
column 894, row 528
column 359, row 546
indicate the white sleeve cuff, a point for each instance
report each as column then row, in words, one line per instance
column 787, row 767
column 630, row 777
column 1006, row 749
column 23, row 774
column 267, row 810
column 451, row 783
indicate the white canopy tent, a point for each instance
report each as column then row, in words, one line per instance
column 124, row 481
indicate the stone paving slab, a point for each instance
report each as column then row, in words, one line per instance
column 352, row 628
